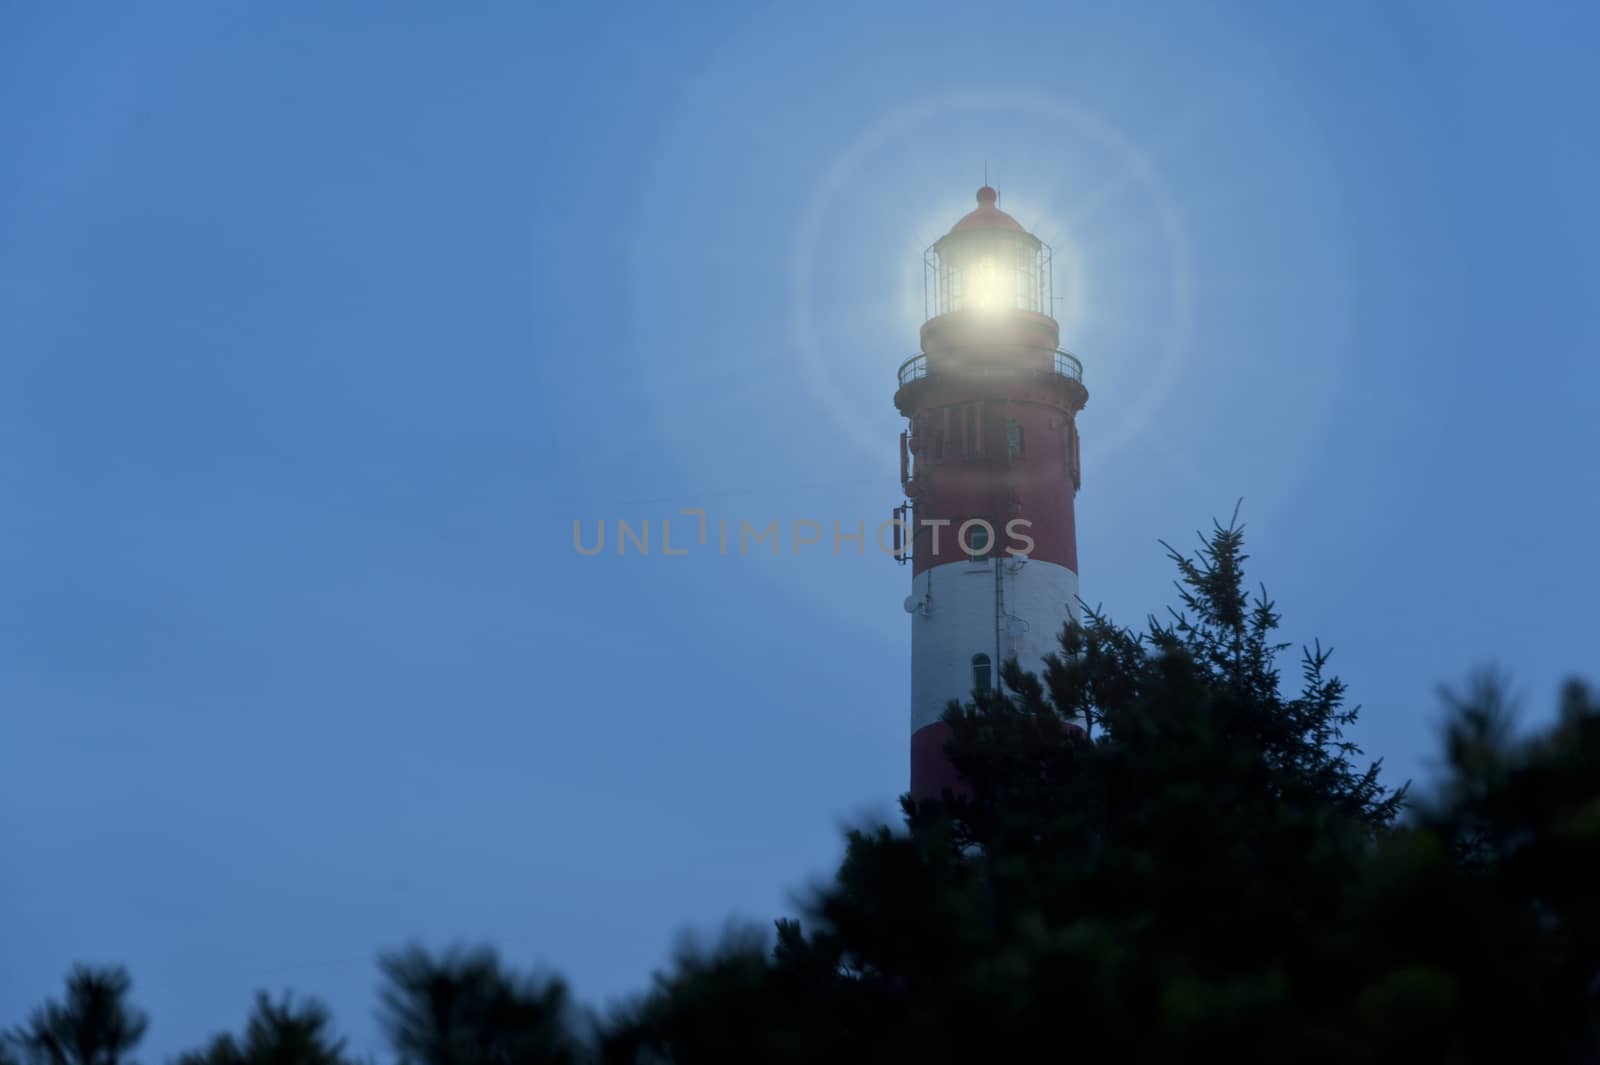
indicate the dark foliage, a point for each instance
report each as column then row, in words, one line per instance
column 277, row 1034
column 1205, row 868
column 465, row 1008
column 95, row 1025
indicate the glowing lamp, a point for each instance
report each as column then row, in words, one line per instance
column 987, row 263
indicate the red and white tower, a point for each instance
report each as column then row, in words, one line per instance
column 990, row 468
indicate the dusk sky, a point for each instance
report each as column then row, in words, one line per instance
column 320, row 325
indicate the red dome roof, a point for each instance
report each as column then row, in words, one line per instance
column 987, row 215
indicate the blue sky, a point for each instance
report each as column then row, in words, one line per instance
column 319, row 327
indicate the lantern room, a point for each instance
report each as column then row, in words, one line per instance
column 988, row 294
column 987, row 262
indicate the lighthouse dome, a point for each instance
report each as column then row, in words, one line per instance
column 986, row 215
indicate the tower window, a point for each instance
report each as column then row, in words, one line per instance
column 1014, row 438
column 980, row 673
column 977, row 540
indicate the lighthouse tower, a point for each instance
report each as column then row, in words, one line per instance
column 990, row 467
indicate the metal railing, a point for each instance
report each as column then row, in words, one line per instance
column 913, row 368
column 1065, row 364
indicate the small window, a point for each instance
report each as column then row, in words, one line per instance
column 1014, row 438
column 978, row 541
column 980, row 673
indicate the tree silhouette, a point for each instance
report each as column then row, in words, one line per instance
column 465, row 1008
column 277, row 1034
column 1208, row 869
column 95, row 1025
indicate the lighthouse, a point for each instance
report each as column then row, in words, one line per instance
column 989, row 463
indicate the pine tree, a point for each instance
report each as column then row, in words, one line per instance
column 466, row 1008
column 1165, row 882
column 95, row 1025
column 281, row 1033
